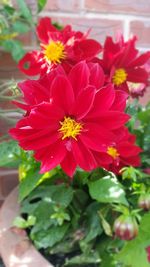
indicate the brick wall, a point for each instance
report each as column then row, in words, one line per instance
column 105, row 17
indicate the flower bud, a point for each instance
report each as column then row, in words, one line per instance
column 144, row 201
column 126, row 227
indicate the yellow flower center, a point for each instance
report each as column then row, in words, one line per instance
column 54, row 52
column 112, row 152
column 119, row 77
column 70, row 128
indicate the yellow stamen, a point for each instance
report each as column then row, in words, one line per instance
column 119, row 77
column 70, row 128
column 54, row 52
column 112, row 152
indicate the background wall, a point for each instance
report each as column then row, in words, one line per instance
column 105, row 17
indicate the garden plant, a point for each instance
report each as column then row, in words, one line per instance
column 82, row 148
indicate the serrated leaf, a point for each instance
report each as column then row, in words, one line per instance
column 134, row 252
column 41, row 4
column 107, row 190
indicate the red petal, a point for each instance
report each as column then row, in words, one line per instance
column 97, row 77
column 113, row 119
column 79, row 77
column 131, row 161
column 83, row 156
column 141, row 60
column 69, row 164
column 62, row 93
column 45, row 115
column 41, row 142
column 84, row 102
column 119, row 101
column 127, row 150
column 86, row 49
column 51, row 156
column 34, row 92
column 138, row 75
column 96, row 137
column 103, row 101
column 30, row 64
column 44, row 29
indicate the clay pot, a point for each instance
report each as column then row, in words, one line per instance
column 15, row 248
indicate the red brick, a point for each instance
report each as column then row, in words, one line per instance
column 1, row 202
column 142, row 30
column 71, row 5
column 8, row 67
column 27, row 39
column 8, row 182
column 118, row 6
column 99, row 27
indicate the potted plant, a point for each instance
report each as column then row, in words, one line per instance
column 84, row 189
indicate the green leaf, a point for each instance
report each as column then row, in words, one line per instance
column 15, row 48
column 48, row 238
column 91, row 258
column 93, row 224
column 20, row 27
column 41, row 4
column 8, row 150
column 29, row 183
column 107, row 190
column 133, row 253
column 20, row 222
column 24, row 9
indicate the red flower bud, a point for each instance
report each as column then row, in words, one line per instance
column 148, row 253
column 144, row 201
column 126, row 227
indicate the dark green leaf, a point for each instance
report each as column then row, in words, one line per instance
column 48, row 238
column 107, row 190
column 29, row 183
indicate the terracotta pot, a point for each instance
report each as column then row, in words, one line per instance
column 15, row 248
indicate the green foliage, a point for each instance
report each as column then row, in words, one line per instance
column 133, row 253
column 25, row 10
column 22, row 223
column 15, row 48
column 9, row 151
column 41, row 4
column 107, row 190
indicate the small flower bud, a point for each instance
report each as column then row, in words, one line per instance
column 144, row 201
column 126, row 227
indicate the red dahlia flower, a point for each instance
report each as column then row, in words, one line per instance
column 73, row 123
column 40, row 90
column 123, row 65
column 121, row 153
column 64, row 46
